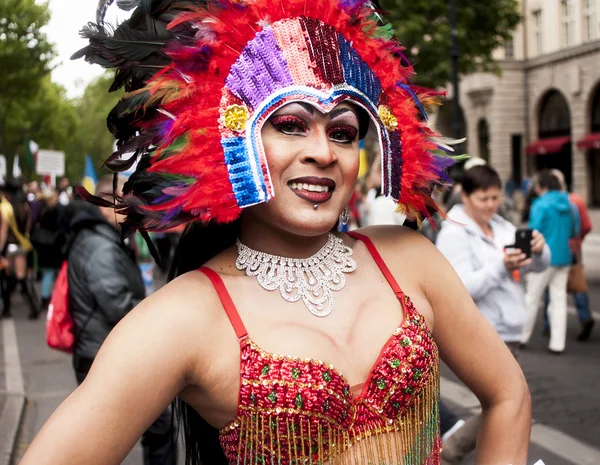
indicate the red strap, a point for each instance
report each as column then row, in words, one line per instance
column 380, row 263
column 228, row 305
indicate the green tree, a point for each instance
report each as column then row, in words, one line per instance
column 423, row 26
column 92, row 137
column 25, row 55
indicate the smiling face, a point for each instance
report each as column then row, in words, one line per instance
column 313, row 159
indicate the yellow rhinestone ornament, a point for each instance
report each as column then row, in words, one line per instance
column 387, row 118
column 235, row 117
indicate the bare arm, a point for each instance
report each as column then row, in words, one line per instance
column 145, row 362
column 472, row 349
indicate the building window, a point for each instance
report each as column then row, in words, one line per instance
column 589, row 20
column 568, row 22
column 537, row 31
column 483, row 136
column 509, row 49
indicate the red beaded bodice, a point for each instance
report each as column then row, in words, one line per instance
column 297, row 411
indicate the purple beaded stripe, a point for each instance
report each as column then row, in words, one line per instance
column 260, row 70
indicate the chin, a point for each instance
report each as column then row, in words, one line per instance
column 310, row 224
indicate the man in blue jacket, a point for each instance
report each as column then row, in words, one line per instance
column 552, row 215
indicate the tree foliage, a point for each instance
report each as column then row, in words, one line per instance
column 92, row 137
column 25, row 55
column 423, row 26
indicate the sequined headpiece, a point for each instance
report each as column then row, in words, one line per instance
column 204, row 79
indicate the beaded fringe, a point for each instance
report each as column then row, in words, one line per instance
column 281, row 438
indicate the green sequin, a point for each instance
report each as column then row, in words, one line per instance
column 405, row 342
column 326, row 405
column 265, row 370
column 346, row 391
column 299, row 401
column 272, row 396
column 295, row 373
column 327, row 376
column 408, row 390
column 253, row 399
column 395, row 363
column 273, row 424
column 418, row 373
column 396, row 405
column 381, row 383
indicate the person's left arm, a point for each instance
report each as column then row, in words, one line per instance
column 471, row 347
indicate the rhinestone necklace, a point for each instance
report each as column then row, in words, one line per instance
column 310, row 279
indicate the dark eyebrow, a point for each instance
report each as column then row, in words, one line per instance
column 340, row 111
column 307, row 106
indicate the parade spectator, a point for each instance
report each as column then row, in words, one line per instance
column 15, row 227
column 104, row 285
column 35, row 202
column 582, row 300
column 49, row 240
column 477, row 242
column 65, row 191
column 552, row 215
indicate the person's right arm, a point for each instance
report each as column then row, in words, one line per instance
column 146, row 361
column 454, row 245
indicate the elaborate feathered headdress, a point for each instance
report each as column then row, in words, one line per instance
column 202, row 78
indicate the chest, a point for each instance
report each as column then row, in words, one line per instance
column 485, row 248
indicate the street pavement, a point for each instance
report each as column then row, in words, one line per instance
column 566, row 400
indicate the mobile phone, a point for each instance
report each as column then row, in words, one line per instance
column 523, row 241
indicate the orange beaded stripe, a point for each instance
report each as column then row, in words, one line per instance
column 296, row 411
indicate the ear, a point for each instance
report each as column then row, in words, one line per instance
column 464, row 197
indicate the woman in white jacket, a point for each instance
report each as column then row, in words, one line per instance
column 476, row 241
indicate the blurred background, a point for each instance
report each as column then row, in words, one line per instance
column 523, row 87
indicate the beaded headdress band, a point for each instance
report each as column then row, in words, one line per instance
column 202, row 80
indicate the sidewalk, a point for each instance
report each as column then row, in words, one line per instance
column 12, row 392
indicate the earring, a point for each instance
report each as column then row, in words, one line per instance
column 345, row 216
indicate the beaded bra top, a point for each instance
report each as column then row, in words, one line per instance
column 302, row 411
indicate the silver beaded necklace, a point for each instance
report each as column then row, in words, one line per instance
column 310, row 279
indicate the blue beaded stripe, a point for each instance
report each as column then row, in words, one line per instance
column 357, row 73
column 245, row 187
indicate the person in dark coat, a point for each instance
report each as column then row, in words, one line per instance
column 105, row 283
column 48, row 239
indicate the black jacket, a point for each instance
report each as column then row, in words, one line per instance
column 105, row 282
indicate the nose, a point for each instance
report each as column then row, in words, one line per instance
column 318, row 150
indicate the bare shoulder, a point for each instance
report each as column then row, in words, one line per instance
column 180, row 317
column 189, row 296
column 401, row 243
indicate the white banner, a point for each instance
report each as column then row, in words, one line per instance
column 2, row 166
column 50, row 162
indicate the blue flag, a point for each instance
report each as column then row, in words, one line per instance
column 89, row 175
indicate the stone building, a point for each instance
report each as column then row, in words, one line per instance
column 544, row 108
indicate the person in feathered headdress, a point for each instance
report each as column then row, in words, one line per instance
column 244, row 119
